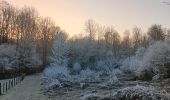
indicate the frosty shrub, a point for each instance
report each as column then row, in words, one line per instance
column 156, row 60
column 113, row 80
column 58, row 75
column 7, row 50
column 28, row 55
column 57, row 72
column 88, row 75
column 25, row 56
column 88, row 56
column 129, row 93
column 7, row 56
column 90, row 97
column 4, row 64
column 131, row 64
column 77, row 67
column 54, row 76
column 85, row 76
column 136, row 93
column 149, row 62
column 107, row 63
column 117, row 72
column 102, row 66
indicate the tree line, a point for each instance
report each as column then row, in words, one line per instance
column 129, row 43
column 23, row 26
column 32, row 33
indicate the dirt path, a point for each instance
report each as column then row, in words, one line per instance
column 28, row 89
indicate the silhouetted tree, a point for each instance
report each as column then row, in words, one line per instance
column 137, row 38
column 156, row 33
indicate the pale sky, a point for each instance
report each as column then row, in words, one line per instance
column 71, row 15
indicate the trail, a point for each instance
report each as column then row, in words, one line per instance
column 28, row 89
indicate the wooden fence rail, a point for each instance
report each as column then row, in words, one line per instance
column 7, row 84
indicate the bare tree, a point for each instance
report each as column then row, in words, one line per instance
column 112, row 40
column 137, row 37
column 91, row 28
column 48, row 32
column 126, row 44
column 6, row 17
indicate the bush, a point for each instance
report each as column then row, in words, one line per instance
column 129, row 93
column 54, row 75
column 76, row 67
column 88, row 75
column 149, row 62
column 12, row 59
column 131, row 64
column 55, row 72
column 7, row 56
column 136, row 93
column 156, row 60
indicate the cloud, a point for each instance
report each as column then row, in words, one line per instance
column 166, row 3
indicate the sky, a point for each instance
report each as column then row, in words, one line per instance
column 71, row 15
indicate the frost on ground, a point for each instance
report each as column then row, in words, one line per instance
column 59, row 83
column 129, row 93
column 28, row 89
column 85, row 86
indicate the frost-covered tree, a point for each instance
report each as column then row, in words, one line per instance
column 27, row 54
column 168, row 35
column 59, row 49
column 7, row 56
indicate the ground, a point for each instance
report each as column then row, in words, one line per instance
column 101, row 89
column 31, row 88
column 28, row 89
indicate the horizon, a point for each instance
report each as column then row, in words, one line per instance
column 122, row 15
column 84, row 50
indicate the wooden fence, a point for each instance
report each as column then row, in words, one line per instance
column 7, row 84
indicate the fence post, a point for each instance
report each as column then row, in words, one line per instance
column 9, row 84
column 0, row 89
column 20, row 79
column 17, row 80
column 14, row 81
column 6, row 86
column 3, row 87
